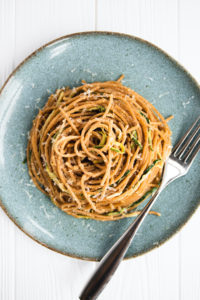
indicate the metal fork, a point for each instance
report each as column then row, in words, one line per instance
column 177, row 165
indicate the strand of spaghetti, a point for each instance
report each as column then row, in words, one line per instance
column 109, row 106
column 86, row 196
column 169, row 118
column 69, row 121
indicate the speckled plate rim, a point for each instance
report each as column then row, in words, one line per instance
column 111, row 33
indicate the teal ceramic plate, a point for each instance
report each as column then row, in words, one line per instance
column 94, row 56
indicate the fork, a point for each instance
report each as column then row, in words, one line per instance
column 177, row 165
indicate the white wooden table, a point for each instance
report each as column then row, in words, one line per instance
column 29, row 271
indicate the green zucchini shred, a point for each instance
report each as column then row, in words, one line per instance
column 83, row 216
column 122, row 178
column 147, row 119
column 25, row 160
column 116, row 213
column 122, row 151
column 99, row 108
column 150, row 139
column 151, row 166
column 134, row 137
column 103, row 139
column 55, row 135
column 147, row 194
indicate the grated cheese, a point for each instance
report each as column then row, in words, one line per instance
column 164, row 94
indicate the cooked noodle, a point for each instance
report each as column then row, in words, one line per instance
column 98, row 150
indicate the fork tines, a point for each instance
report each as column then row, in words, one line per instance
column 187, row 148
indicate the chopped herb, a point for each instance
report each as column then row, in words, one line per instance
column 98, row 108
column 134, row 137
column 147, row 119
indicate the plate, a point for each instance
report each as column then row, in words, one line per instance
column 93, row 56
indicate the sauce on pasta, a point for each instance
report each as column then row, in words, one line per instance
column 98, row 150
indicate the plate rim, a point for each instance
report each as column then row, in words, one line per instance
column 109, row 33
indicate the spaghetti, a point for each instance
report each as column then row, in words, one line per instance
column 98, row 150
